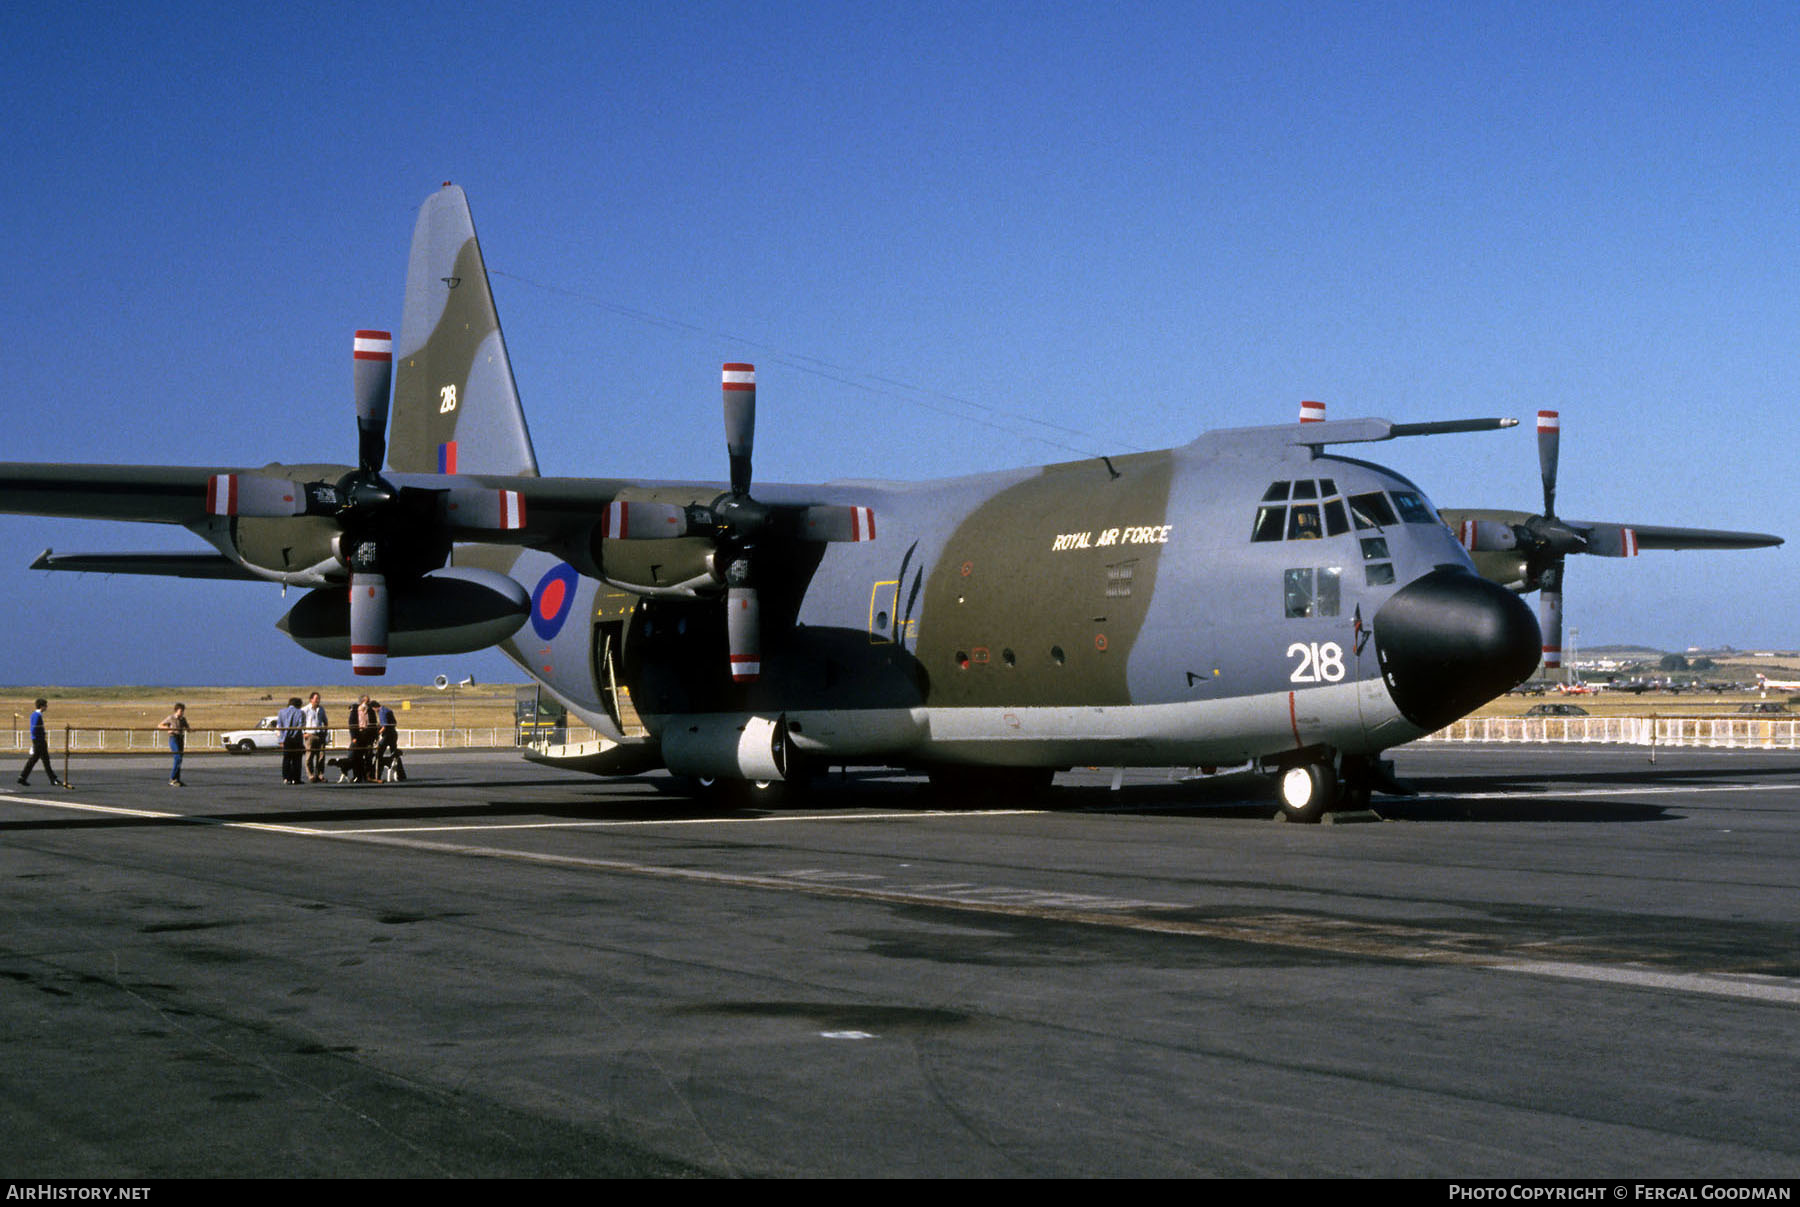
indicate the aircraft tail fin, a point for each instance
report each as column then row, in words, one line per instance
column 456, row 406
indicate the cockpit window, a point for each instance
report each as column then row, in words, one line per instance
column 1413, row 508
column 1335, row 523
column 1269, row 521
column 1303, row 523
column 1372, row 510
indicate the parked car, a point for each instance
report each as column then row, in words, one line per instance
column 266, row 736
column 1556, row 710
column 1764, row 706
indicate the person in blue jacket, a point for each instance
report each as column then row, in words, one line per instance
column 40, row 747
column 292, row 721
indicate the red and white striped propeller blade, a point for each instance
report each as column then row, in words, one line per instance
column 1550, row 621
column 743, row 633
column 368, row 624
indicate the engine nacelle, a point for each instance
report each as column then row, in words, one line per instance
column 456, row 610
column 736, row 746
column 682, row 565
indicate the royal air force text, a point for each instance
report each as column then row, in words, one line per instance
column 1148, row 534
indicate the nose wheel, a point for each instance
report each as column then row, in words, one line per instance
column 1307, row 791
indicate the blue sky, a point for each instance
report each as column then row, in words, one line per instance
column 953, row 237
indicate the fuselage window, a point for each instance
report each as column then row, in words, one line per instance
column 1413, row 509
column 1329, row 592
column 1296, row 593
column 1372, row 511
column 1374, row 548
column 1303, row 522
column 1378, row 574
column 1307, row 592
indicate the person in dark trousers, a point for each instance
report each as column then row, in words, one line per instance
column 387, row 745
column 176, row 723
column 317, row 737
column 40, row 747
column 292, row 722
column 363, row 727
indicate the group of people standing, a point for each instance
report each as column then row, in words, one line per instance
column 306, row 732
column 305, row 735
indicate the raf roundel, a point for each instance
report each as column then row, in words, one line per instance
column 552, row 601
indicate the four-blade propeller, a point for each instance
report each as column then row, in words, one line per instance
column 738, row 525
column 1537, row 546
column 387, row 535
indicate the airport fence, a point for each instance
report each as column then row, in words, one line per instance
column 1747, row 733
column 149, row 741
column 1743, row 733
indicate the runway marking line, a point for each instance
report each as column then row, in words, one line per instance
column 1340, row 936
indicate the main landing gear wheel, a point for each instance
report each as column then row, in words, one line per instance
column 728, row 792
column 1306, row 792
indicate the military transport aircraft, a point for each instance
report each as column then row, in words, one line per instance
column 1250, row 596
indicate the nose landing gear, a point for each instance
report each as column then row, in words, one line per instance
column 1307, row 791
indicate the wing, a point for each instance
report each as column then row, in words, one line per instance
column 158, row 494
column 1652, row 537
column 1493, row 530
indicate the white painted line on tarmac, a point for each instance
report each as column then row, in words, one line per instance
column 1717, row 984
column 1336, row 936
column 1560, row 793
column 683, row 821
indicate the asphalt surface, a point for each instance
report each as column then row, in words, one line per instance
column 1553, row 962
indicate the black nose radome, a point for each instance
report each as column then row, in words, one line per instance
column 1450, row 642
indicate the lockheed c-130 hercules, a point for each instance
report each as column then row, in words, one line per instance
column 1251, row 596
